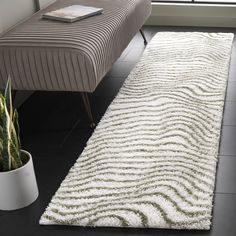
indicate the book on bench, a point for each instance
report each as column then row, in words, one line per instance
column 72, row 13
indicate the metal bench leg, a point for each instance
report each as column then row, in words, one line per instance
column 88, row 108
column 143, row 35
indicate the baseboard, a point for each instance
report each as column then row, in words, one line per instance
column 188, row 14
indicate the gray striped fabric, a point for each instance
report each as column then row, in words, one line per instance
column 151, row 161
column 43, row 54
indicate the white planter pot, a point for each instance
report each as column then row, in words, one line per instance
column 18, row 188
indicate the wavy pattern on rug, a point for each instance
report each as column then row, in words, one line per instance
column 151, row 161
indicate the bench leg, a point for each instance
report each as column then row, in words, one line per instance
column 88, row 108
column 143, row 35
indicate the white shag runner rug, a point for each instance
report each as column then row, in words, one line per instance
column 151, row 161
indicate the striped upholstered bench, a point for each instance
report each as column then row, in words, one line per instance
column 50, row 55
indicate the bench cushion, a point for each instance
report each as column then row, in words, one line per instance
column 42, row 54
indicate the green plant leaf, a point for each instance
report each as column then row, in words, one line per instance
column 15, row 155
column 1, row 139
column 10, row 156
column 8, row 100
column 1, row 108
column 6, row 154
column 1, row 150
column 1, row 129
column 16, row 130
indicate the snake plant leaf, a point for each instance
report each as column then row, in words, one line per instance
column 6, row 153
column 17, row 129
column 14, row 135
column 1, row 139
column 15, row 155
column 15, row 144
column 1, row 116
column 8, row 100
column 1, row 129
column 10, row 155
column 1, row 148
column 1, row 108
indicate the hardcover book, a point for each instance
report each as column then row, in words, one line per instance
column 72, row 13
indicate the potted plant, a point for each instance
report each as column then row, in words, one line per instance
column 18, row 186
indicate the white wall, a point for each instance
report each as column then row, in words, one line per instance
column 13, row 11
column 1, row 28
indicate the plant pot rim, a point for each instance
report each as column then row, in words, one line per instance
column 18, row 169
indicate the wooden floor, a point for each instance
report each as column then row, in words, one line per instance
column 47, row 118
